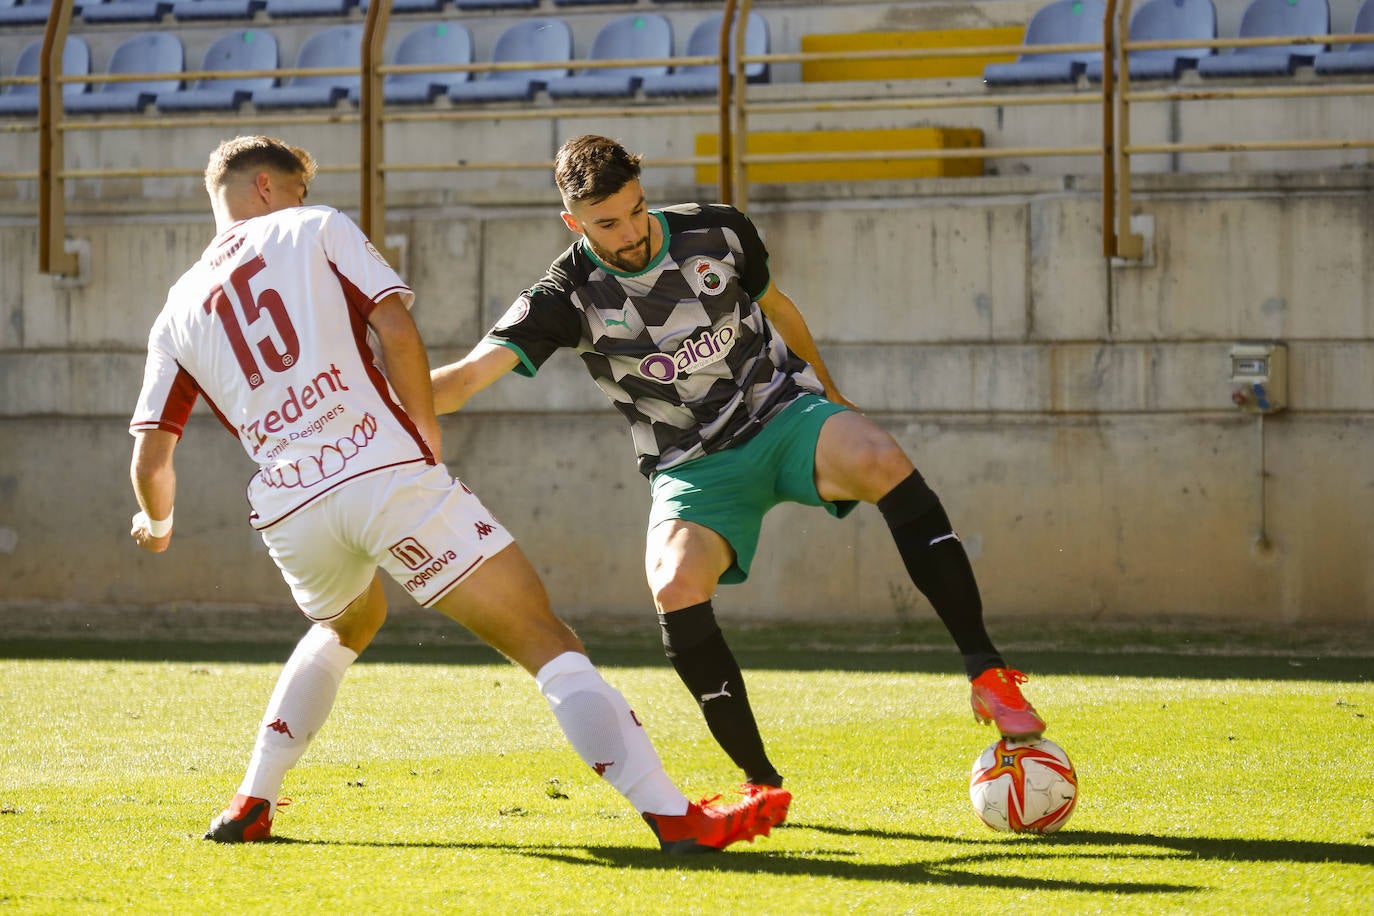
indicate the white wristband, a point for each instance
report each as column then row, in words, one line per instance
column 157, row 527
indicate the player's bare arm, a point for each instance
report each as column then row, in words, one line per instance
column 407, row 365
column 787, row 318
column 455, row 383
column 155, row 485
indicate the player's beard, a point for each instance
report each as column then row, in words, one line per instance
column 630, row 260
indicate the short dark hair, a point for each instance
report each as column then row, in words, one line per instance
column 243, row 154
column 592, row 168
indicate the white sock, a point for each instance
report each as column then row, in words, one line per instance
column 300, row 703
column 606, row 735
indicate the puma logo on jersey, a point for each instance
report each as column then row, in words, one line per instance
column 611, row 321
column 722, row 692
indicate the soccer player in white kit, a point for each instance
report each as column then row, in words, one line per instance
column 297, row 333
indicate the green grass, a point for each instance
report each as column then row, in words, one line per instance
column 1221, row 772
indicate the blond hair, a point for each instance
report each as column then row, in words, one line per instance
column 244, row 154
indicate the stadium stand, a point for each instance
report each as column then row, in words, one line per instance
column 495, row 4
column 24, row 12
column 591, row 2
column 126, row 10
column 147, row 52
column 333, row 46
column 1166, row 20
column 22, row 99
column 191, row 10
column 1354, row 58
column 841, row 70
column 1057, row 23
column 287, row 9
column 700, row 79
column 245, row 49
column 431, row 43
column 628, row 37
column 1272, row 19
column 527, row 41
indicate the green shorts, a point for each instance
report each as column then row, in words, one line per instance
column 730, row 491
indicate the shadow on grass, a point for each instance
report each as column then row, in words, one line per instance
column 951, row 871
column 948, row 872
column 755, row 651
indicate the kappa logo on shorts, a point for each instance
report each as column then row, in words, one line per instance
column 412, row 553
column 484, row 529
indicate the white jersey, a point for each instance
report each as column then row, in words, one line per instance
column 270, row 325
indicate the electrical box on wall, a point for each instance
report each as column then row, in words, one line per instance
column 1259, row 377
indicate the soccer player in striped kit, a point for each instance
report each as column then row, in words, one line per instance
column 732, row 411
column 298, row 334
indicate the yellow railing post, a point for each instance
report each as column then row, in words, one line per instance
column 1128, row 244
column 372, row 192
column 739, row 131
column 53, row 257
column 725, row 147
column 1109, row 131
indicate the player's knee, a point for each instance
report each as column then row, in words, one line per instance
column 672, row 592
column 881, row 465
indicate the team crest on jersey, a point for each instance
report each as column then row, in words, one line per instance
column 515, row 314
column 706, row 276
column 372, row 250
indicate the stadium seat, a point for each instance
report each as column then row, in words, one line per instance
column 431, row 43
column 24, row 12
column 496, row 4
column 285, row 9
column 22, row 99
column 1057, row 23
column 629, row 37
column 149, row 52
column 125, row 10
column 1166, row 20
column 1272, row 19
column 590, row 2
column 333, row 46
column 1355, row 58
column 410, row 6
column 216, row 9
column 700, row 79
column 246, row 49
column 529, row 40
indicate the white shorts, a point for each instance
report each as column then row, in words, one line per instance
column 423, row 526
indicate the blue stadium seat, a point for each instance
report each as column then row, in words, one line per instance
column 701, row 79
column 1058, row 23
column 1272, row 19
column 431, row 43
column 410, row 6
column 246, row 49
column 527, row 41
column 22, row 99
column 24, row 12
column 1355, row 58
column 149, row 52
column 216, row 9
column 496, row 4
column 1166, row 20
column 333, row 46
column 629, row 37
column 285, row 9
column 125, row 10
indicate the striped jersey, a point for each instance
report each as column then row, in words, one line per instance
column 270, row 326
column 681, row 348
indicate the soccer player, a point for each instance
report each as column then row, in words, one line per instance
column 297, row 332
column 732, row 411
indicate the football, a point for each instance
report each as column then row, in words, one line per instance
column 1023, row 787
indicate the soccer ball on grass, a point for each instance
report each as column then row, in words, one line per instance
column 1023, row 787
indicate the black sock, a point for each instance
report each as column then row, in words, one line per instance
column 938, row 566
column 696, row 647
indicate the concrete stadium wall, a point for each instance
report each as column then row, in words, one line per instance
column 1075, row 415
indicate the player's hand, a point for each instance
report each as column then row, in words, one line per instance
column 144, row 538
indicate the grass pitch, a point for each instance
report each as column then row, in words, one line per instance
column 1220, row 772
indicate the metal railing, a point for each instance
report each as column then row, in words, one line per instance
column 732, row 109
